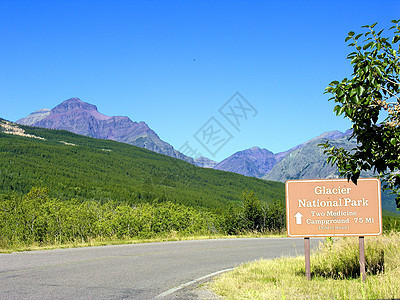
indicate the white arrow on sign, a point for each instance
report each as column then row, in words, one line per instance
column 298, row 217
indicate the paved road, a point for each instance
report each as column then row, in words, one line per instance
column 141, row 271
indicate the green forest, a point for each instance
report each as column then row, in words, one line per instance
column 93, row 169
column 69, row 188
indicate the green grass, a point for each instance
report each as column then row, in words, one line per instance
column 333, row 275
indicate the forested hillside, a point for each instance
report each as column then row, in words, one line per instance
column 73, row 166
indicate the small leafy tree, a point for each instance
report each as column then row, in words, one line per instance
column 252, row 211
column 371, row 101
column 233, row 223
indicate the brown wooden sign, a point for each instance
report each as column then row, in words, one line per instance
column 333, row 207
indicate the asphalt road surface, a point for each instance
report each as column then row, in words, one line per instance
column 167, row 270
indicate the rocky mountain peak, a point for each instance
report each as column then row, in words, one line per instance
column 256, row 151
column 143, row 125
column 249, row 162
column 73, row 104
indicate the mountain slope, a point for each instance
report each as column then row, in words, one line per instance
column 75, row 166
column 83, row 118
column 34, row 117
column 253, row 162
column 205, row 162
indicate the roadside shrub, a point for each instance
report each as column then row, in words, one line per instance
column 36, row 218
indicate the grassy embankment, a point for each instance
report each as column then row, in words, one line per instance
column 335, row 273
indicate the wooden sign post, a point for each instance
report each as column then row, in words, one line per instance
column 333, row 208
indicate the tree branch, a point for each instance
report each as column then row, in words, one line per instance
column 391, row 94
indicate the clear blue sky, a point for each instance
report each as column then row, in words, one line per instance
column 174, row 64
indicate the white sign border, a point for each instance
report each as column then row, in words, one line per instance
column 332, row 235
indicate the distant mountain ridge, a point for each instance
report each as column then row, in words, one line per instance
column 254, row 162
column 83, row 118
column 305, row 160
column 257, row 162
